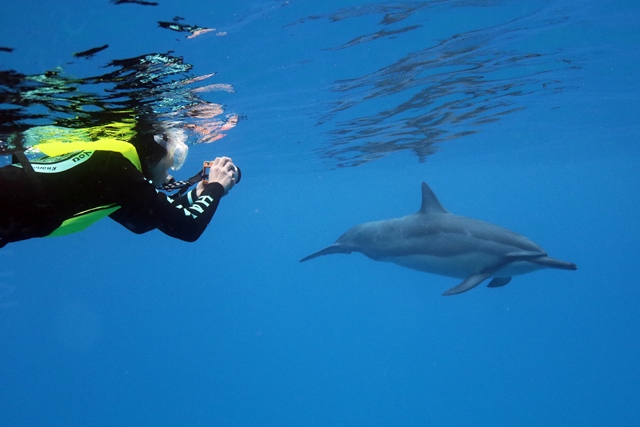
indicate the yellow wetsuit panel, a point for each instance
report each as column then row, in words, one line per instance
column 84, row 219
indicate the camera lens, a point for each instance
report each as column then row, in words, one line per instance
column 238, row 174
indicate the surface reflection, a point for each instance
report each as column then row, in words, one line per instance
column 445, row 91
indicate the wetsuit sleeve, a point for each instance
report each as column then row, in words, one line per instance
column 143, row 208
column 184, row 222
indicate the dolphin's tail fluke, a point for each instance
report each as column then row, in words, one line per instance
column 336, row 248
column 555, row 263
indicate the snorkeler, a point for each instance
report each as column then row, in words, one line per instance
column 59, row 183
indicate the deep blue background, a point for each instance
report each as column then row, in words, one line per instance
column 108, row 328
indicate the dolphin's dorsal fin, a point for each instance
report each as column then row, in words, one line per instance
column 430, row 203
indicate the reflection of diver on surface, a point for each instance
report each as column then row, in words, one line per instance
column 61, row 183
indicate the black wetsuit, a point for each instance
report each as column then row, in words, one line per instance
column 105, row 178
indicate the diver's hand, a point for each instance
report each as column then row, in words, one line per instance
column 222, row 171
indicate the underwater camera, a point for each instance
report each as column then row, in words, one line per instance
column 207, row 165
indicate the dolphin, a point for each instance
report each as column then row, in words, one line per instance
column 436, row 241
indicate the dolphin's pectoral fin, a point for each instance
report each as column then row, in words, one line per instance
column 475, row 279
column 336, row 248
column 468, row 283
column 499, row 281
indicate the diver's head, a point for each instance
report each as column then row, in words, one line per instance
column 154, row 158
column 159, row 152
column 174, row 141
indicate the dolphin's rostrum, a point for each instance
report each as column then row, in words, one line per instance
column 436, row 241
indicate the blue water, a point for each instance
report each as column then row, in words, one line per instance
column 524, row 114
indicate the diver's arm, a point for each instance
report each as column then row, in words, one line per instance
column 184, row 222
column 190, row 221
column 124, row 217
column 143, row 208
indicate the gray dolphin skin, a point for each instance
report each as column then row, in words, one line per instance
column 436, row 241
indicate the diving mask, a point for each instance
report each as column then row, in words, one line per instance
column 174, row 141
